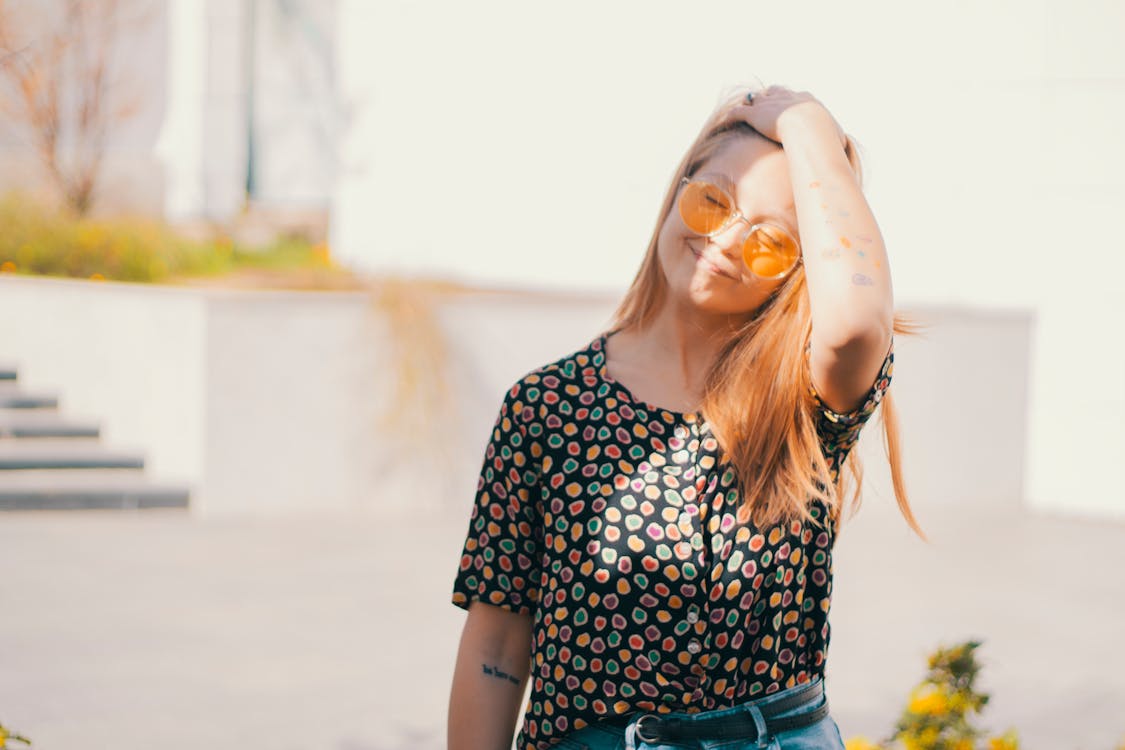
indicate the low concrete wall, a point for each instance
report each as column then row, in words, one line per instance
column 130, row 356
column 284, row 402
column 961, row 386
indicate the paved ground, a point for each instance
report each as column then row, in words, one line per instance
column 151, row 630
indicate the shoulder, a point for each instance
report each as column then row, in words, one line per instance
column 557, row 380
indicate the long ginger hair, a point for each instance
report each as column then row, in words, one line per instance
column 757, row 392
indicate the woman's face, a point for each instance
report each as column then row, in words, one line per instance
column 708, row 272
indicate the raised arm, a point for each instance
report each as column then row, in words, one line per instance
column 846, row 266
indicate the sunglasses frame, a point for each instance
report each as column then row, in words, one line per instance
column 736, row 216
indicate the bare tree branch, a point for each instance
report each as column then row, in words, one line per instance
column 54, row 77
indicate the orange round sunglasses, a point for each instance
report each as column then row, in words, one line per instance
column 769, row 251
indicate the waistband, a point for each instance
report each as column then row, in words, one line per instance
column 765, row 716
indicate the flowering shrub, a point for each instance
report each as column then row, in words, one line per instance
column 940, row 711
column 38, row 240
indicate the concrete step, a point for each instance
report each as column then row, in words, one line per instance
column 37, row 416
column 43, row 423
column 83, row 490
column 20, row 399
column 62, row 453
column 37, row 436
column 69, row 477
column 74, row 489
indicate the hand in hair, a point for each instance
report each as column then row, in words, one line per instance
column 779, row 112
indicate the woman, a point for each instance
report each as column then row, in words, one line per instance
column 651, row 542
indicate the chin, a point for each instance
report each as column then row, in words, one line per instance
column 717, row 302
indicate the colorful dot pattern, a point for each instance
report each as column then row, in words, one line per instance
column 613, row 523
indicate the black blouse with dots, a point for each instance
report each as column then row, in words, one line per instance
column 613, row 523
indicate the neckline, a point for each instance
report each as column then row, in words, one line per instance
column 603, row 373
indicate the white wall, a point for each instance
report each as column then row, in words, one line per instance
column 521, row 144
column 274, row 403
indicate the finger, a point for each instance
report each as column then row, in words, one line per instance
column 742, row 111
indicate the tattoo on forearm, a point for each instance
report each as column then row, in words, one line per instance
column 860, row 279
column 498, row 673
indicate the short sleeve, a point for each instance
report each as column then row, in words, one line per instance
column 500, row 561
column 838, row 432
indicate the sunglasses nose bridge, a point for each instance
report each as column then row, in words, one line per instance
column 731, row 236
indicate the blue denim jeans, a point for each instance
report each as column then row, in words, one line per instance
column 821, row 735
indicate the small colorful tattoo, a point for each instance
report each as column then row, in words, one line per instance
column 844, row 241
column 860, row 279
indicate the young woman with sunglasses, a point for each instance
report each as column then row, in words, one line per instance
column 652, row 538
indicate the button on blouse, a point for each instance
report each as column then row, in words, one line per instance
column 613, row 523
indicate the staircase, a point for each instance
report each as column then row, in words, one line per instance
column 49, row 462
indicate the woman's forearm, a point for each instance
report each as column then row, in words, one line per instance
column 489, row 678
column 846, row 264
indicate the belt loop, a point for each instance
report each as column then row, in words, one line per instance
column 760, row 725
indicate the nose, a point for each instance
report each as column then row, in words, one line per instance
column 729, row 239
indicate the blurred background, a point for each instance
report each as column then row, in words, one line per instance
column 268, row 266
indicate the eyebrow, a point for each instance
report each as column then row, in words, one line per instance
column 726, row 183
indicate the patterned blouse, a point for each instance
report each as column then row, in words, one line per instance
column 612, row 522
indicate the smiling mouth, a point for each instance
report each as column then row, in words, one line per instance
column 709, row 265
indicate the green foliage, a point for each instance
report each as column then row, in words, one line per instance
column 41, row 241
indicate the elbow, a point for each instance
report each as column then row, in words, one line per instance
column 867, row 333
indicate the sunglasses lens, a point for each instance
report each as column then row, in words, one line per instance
column 704, row 207
column 770, row 251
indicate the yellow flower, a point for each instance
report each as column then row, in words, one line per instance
column 1008, row 741
column 928, row 700
column 963, row 745
column 322, row 254
column 860, row 743
column 958, row 702
column 7, row 267
column 910, row 742
column 93, row 277
column 929, row 736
